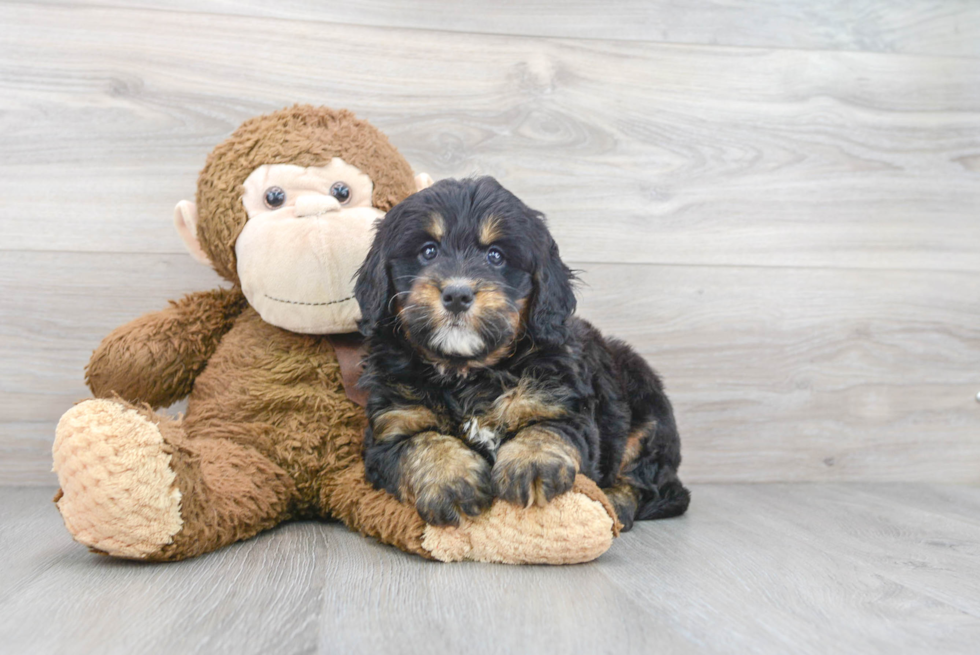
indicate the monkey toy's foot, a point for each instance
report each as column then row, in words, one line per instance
column 118, row 492
column 575, row 527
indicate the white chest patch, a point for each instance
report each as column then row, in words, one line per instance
column 454, row 340
column 479, row 435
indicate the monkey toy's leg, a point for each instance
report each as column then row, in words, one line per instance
column 575, row 527
column 133, row 485
column 348, row 496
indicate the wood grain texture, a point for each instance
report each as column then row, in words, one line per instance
column 807, row 374
column 813, row 568
column 790, row 236
column 689, row 155
column 935, row 27
column 43, row 350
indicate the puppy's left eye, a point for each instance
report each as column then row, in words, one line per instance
column 429, row 251
column 495, row 256
column 341, row 192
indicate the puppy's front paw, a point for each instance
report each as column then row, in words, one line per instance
column 446, row 479
column 443, row 503
column 533, row 468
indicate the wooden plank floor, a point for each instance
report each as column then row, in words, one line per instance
column 778, row 568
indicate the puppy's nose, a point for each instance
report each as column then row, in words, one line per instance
column 457, row 299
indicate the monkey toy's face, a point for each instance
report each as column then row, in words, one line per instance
column 308, row 230
column 285, row 210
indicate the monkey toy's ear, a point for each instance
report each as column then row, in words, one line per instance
column 423, row 181
column 185, row 220
column 554, row 300
column 373, row 287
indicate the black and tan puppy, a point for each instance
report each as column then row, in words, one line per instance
column 481, row 381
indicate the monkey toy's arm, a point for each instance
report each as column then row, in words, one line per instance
column 156, row 358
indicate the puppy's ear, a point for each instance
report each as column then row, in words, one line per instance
column 373, row 286
column 554, row 300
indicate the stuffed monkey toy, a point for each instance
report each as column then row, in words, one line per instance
column 285, row 212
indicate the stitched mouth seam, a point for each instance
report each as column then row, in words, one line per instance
column 318, row 304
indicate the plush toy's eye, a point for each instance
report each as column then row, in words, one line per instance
column 429, row 251
column 495, row 256
column 274, row 197
column 341, row 192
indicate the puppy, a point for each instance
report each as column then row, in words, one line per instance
column 483, row 384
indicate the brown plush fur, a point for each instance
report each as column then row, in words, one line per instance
column 269, row 432
column 270, row 435
column 156, row 357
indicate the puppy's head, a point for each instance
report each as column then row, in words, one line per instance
column 463, row 269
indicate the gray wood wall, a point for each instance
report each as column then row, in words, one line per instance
column 778, row 203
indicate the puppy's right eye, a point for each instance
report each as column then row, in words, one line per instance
column 274, row 197
column 429, row 251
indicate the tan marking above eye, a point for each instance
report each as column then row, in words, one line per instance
column 436, row 227
column 490, row 230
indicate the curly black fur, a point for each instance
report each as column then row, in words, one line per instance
column 534, row 390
